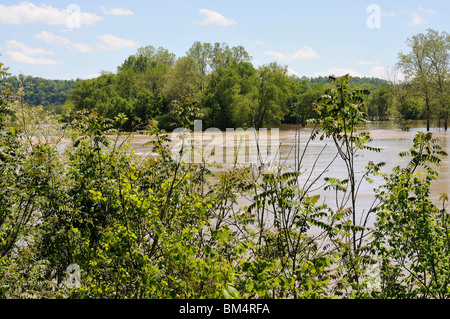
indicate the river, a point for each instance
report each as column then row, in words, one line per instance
column 385, row 134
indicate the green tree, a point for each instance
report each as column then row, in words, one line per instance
column 136, row 90
column 224, row 56
column 300, row 102
column 5, row 93
column 212, row 57
column 439, row 56
column 425, row 66
column 202, row 53
column 379, row 102
column 244, row 96
column 412, row 233
column 100, row 95
column 340, row 111
column 146, row 56
column 183, row 79
column 230, row 90
column 274, row 88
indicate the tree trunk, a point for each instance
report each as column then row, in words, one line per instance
column 427, row 103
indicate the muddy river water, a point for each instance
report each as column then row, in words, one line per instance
column 318, row 155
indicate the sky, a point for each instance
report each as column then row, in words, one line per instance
column 82, row 39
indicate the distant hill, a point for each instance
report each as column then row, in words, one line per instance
column 354, row 81
column 40, row 91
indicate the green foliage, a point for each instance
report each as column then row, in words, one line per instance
column 110, row 95
column 300, row 105
column 83, row 216
column 183, row 79
column 230, row 90
column 148, row 57
column 242, row 96
column 412, row 237
column 426, row 69
column 211, row 57
column 340, row 111
column 231, row 96
column 5, row 92
column 379, row 103
column 39, row 91
column 185, row 111
column 286, row 260
column 146, row 228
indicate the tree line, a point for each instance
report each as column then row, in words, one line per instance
column 51, row 94
column 232, row 92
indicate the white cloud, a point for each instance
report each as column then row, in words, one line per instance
column 27, row 12
column 418, row 16
column 111, row 42
column 302, row 53
column 292, row 72
column 117, row 11
column 337, row 72
column 387, row 73
column 61, row 41
column 215, row 18
column 380, row 72
column 23, row 58
column 108, row 42
column 13, row 44
column 26, row 53
column 416, row 19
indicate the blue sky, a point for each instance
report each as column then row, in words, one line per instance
column 79, row 39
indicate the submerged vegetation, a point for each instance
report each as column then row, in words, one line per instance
column 83, row 216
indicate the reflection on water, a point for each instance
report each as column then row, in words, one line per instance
column 386, row 135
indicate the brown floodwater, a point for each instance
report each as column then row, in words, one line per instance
column 316, row 156
column 385, row 135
